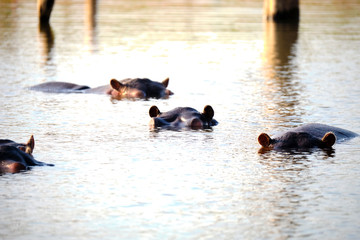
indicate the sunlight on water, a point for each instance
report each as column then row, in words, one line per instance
column 114, row 178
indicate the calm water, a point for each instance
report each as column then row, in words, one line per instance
column 115, row 179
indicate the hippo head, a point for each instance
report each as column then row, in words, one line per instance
column 15, row 156
column 139, row 88
column 299, row 140
column 182, row 117
column 26, row 148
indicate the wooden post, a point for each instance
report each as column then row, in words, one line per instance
column 90, row 13
column 90, row 24
column 282, row 10
column 44, row 10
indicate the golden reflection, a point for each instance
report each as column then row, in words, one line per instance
column 281, row 90
column 47, row 40
column 279, row 41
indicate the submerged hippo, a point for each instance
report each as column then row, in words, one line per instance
column 128, row 88
column 306, row 136
column 15, row 157
column 182, row 117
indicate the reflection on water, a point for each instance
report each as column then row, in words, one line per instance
column 47, row 42
column 292, row 189
column 287, row 203
column 279, row 47
column 47, row 39
column 329, row 152
column 114, row 178
column 281, row 85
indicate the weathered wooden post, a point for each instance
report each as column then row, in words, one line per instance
column 90, row 24
column 282, row 10
column 90, row 13
column 44, row 10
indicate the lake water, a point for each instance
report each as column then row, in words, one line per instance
column 115, row 179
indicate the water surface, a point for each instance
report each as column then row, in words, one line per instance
column 115, row 179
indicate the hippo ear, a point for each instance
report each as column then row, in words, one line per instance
column 165, row 82
column 154, row 111
column 30, row 145
column 115, row 84
column 208, row 112
column 329, row 139
column 264, row 140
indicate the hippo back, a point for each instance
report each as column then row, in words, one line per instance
column 59, row 87
column 319, row 130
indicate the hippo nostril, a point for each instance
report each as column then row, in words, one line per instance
column 137, row 94
column 196, row 124
column 168, row 92
column 16, row 167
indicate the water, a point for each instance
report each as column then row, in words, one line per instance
column 115, row 179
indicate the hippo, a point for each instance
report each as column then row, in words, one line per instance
column 16, row 157
column 313, row 135
column 182, row 117
column 131, row 88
